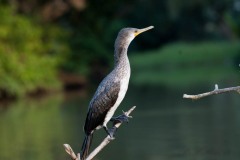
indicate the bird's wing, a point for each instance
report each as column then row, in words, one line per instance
column 105, row 97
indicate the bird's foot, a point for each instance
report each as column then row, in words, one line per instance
column 111, row 132
column 120, row 119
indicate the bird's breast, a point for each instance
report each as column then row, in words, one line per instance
column 124, row 83
column 123, row 88
column 124, row 80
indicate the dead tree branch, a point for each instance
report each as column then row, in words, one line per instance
column 214, row 92
column 73, row 156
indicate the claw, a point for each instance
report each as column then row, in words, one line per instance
column 125, row 113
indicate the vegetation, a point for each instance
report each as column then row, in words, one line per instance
column 173, row 64
column 39, row 38
column 29, row 55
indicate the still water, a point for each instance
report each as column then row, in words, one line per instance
column 164, row 127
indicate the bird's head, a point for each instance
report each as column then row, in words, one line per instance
column 126, row 35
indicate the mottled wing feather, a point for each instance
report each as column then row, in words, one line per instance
column 105, row 97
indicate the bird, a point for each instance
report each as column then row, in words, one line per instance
column 110, row 91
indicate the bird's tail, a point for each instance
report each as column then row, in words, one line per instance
column 86, row 146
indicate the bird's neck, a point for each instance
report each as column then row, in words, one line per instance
column 120, row 57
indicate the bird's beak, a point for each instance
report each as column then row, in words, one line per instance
column 142, row 30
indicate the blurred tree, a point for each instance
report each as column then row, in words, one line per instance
column 92, row 35
column 91, row 30
column 28, row 54
column 93, row 25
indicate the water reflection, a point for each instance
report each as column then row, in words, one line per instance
column 164, row 127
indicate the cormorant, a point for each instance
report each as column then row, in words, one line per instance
column 111, row 90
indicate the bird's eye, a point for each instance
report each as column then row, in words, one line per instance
column 135, row 31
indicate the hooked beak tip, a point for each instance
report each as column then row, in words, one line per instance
column 143, row 30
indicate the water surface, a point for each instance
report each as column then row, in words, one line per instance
column 164, row 127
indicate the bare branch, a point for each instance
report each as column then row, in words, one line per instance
column 214, row 92
column 78, row 156
column 69, row 150
column 107, row 139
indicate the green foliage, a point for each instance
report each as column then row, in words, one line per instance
column 93, row 37
column 28, row 59
column 31, row 52
column 182, row 65
column 91, row 46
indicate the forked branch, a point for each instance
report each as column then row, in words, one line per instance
column 73, row 156
column 214, row 92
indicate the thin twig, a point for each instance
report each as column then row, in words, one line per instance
column 214, row 92
column 70, row 151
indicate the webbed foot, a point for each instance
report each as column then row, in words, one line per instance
column 120, row 119
column 111, row 132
